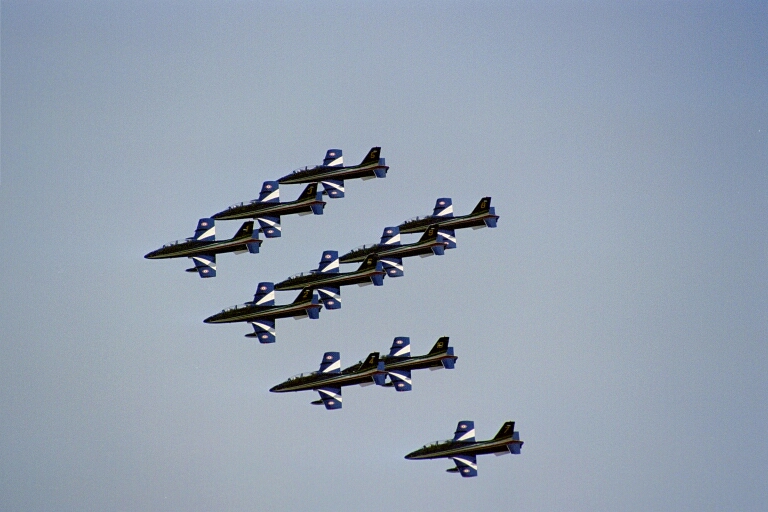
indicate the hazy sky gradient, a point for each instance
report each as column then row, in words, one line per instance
column 619, row 312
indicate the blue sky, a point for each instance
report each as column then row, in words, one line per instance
column 617, row 313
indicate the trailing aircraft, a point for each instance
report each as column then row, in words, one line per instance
column 327, row 279
column 332, row 173
column 202, row 248
column 399, row 363
column 261, row 313
column 267, row 209
column 391, row 252
column 463, row 448
column 483, row 215
column 329, row 380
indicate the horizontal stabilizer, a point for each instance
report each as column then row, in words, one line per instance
column 491, row 221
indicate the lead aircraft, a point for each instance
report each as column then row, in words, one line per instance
column 329, row 380
column 391, row 252
column 463, row 448
column 261, row 312
column 483, row 215
column 399, row 363
column 327, row 279
column 202, row 248
column 332, row 173
column 267, row 209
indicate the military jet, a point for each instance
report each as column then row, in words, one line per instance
column 202, row 248
column 327, row 280
column 329, row 380
column 399, row 363
column 333, row 173
column 483, row 215
column 463, row 448
column 391, row 252
column 267, row 209
column 261, row 313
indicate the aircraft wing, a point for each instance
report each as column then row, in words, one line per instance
column 205, row 264
column 466, row 465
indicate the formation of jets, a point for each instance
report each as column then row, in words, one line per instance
column 321, row 288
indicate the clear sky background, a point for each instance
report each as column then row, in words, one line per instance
column 619, row 312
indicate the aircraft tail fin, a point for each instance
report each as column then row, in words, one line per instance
column 206, row 230
column 401, row 347
column 245, row 231
column 331, row 363
column 440, row 345
column 372, row 361
column 432, row 234
column 465, row 431
column 506, row 430
column 265, row 294
column 372, row 157
column 390, row 236
column 443, row 208
column 484, row 206
column 310, row 192
column 329, row 263
column 270, row 192
column 305, row 295
column 333, row 158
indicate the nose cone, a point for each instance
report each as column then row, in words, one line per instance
column 212, row 319
column 152, row 255
column 412, row 455
column 276, row 389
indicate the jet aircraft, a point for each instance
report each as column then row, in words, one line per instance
column 329, row 380
column 333, row 173
column 399, row 363
column 391, row 252
column 463, row 448
column 267, row 209
column 327, row 280
column 202, row 248
column 483, row 215
column 261, row 313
